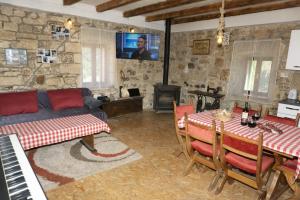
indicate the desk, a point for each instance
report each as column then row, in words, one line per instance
column 202, row 99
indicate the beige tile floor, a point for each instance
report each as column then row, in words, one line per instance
column 157, row 176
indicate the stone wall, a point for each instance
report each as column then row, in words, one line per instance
column 198, row 71
column 31, row 29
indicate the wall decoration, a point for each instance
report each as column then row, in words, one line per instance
column 59, row 31
column 226, row 38
column 16, row 56
column 40, row 79
column 201, row 47
column 46, row 55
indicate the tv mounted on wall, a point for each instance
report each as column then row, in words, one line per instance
column 142, row 46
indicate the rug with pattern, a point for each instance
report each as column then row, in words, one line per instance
column 66, row 162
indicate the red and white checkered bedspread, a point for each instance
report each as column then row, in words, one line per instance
column 50, row 131
column 288, row 142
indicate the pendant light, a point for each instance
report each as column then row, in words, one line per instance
column 221, row 27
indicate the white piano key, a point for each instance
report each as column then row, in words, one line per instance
column 34, row 186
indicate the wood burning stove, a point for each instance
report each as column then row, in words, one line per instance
column 165, row 94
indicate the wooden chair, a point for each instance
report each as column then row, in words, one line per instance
column 239, row 110
column 202, row 145
column 251, row 167
column 179, row 112
column 287, row 121
column 284, row 179
column 285, row 167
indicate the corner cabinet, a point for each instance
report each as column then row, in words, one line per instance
column 293, row 58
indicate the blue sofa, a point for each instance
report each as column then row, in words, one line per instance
column 45, row 112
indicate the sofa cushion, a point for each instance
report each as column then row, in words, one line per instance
column 86, row 92
column 18, row 102
column 43, row 99
column 65, row 98
column 92, row 103
column 43, row 114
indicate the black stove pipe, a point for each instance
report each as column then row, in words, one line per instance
column 167, row 51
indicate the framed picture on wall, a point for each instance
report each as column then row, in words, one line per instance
column 201, row 47
column 16, row 56
column 46, row 55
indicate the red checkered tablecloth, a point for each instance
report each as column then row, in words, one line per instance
column 50, row 131
column 288, row 142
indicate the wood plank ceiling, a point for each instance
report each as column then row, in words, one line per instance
column 209, row 9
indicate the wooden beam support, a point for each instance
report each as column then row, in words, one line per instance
column 70, row 2
column 157, row 6
column 241, row 11
column 214, row 7
column 113, row 4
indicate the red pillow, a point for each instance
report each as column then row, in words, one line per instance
column 65, row 98
column 18, row 102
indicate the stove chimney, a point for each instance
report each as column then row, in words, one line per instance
column 167, row 51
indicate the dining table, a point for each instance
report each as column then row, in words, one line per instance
column 287, row 143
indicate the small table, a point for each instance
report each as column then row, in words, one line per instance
column 44, row 132
column 123, row 106
column 202, row 97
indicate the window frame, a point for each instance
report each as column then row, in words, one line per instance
column 255, row 92
column 242, row 50
column 103, row 62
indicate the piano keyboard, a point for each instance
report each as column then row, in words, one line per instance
column 17, row 179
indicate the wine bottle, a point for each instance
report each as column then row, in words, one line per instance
column 245, row 112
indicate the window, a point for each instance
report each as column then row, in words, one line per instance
column 253, row 68
column 98, row 58
column 258, row 76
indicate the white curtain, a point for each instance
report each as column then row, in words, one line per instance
column 98, row 58
column 244, row 52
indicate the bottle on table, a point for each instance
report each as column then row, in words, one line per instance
column 245, row 113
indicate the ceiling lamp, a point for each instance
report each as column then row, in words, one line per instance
column 68, row 24
column 221, row 27
column 131, row 30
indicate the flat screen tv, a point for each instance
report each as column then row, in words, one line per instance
column 142, row 46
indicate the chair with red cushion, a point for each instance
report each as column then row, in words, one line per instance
column 287, row 121
column 239, row 110
column 202, row 145
column 284, row 166
column 179, row 112
column 242, row 159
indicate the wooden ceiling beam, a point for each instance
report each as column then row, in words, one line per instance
column 242, row 11
column 113, row 4
column 70, row 2
column 157, row 6
column 214, row 7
